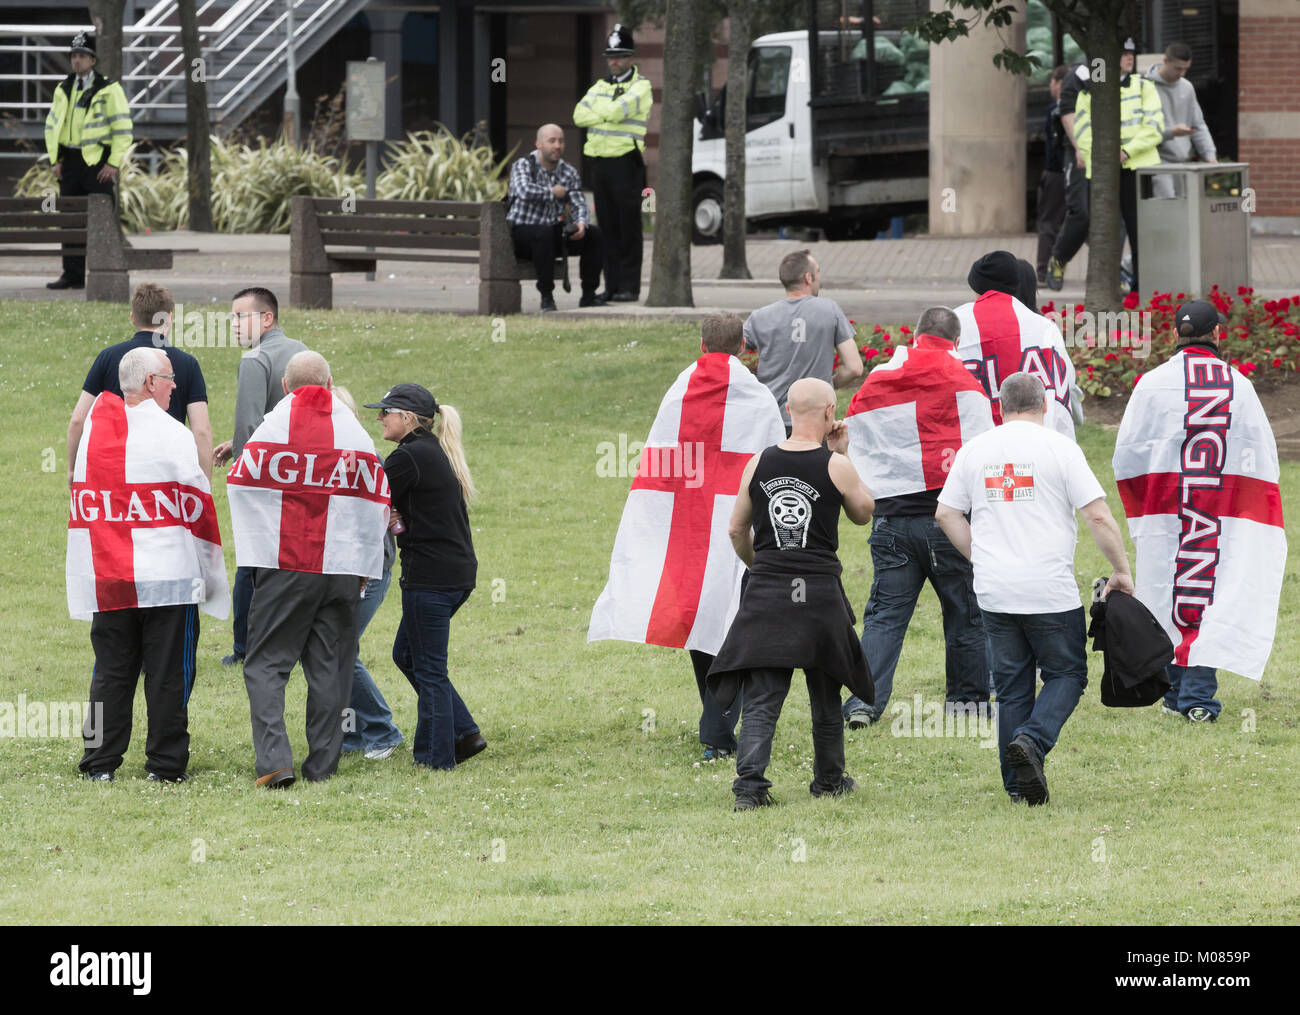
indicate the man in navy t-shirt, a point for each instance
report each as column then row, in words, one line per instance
column 151, row 312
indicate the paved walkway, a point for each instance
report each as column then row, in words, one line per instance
column 884, row 281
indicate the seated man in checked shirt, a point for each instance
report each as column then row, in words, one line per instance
column 548, row 218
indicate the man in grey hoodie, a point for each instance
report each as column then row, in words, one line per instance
column 1185, row 127
column 255, row 317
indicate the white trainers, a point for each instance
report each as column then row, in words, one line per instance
column 380, row 754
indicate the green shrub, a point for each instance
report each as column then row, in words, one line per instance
column 438, row 166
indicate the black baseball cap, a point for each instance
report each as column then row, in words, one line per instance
column 1198, row 318
column 411, row 397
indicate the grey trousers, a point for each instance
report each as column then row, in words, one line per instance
column 313, row 617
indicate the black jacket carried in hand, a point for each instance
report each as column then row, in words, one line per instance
column 1135, row 648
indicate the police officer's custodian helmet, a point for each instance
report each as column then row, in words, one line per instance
column 620, row 42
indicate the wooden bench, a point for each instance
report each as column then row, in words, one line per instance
column 329, row 235
column 45, row 226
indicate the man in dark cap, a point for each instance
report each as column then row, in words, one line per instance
column 87, row 133
column 1196, row 466
column 1001, row 336
column 615, row 112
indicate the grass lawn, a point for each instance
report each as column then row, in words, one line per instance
column 590, row 805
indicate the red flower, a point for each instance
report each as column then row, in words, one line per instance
column 1277, row 363
column 905, row 329
column 870, row 353
column 1247, row 367
column 1131, row 301
column 1111, row 356
column 878, row 329
column 1090, row 370
column 1136, row 378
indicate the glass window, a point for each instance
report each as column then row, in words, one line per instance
column 769, row 77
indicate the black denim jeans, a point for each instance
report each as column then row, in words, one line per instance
column 764, row 692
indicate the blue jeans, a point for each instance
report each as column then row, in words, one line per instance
column 1192, row 687
column 906, row 551
column 374, row 727
column 1017, row 644
column 242, row 596
column 420, row 652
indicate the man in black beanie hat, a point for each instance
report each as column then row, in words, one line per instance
column 1001, row 336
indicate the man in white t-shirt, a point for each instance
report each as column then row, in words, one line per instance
column 1021, row 484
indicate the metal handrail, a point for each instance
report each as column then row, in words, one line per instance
column 153, row 59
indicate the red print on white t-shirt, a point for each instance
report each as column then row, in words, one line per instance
column 1009, row 482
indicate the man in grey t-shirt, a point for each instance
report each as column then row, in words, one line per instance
column 798, row 336
column 255, row 317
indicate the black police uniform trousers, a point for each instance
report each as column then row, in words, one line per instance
column 162, row 640
column 543, row 244
column 616, row 185
column 1074, row 230
column 1051, row 213
column 79, row 180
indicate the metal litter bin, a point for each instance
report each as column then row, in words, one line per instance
column 1194, row 231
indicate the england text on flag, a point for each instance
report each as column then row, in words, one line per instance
column 1204, row 510
column 308, row 492
column 674, row 578
column 142, row 527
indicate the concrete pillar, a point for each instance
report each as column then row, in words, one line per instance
column 386, row 45
column 977, row 134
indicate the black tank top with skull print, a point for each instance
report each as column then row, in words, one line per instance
column 796, row 513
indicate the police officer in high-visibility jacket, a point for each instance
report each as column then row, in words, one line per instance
column 1141, row 130
column 87, row 133
column 615, row 112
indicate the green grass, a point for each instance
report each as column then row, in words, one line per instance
column 574, row 814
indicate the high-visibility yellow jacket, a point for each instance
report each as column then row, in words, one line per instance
column 615, row 115
column 91, row 120
column 1141, row 124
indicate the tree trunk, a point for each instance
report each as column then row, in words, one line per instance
column 739, row 37
column 1102, row 286
column 196, row 122
column 670, row 262
column 106, row 16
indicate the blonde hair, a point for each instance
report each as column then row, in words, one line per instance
column 345, row 396
column 448, row 432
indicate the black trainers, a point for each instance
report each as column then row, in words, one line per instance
column 232, row 660
column 847, row 785
column 860, row 719
column 64, row 282
column 548, row 304
column 1055, row 275
column 155, row 777
column 1201, row 714
column 104, row 776
column 1022, row 755
column 712, row 753
column 594, row 300
column 753, row 801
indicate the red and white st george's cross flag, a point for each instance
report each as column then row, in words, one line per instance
column 308, row 492
column 911, row 415
column 1196, row 465
column 1001, row 336
column 142, row 528
column 674, row 578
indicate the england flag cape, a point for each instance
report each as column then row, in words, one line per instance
column 1196, row 465
column 674, row 578
column 142, row 528
column 911, row 415
column 1000, row 336
column 308, row 492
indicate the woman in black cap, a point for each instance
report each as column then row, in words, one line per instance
column 431, row 485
